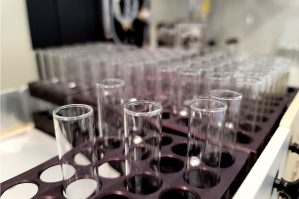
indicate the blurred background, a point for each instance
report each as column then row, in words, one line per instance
column 256, row 27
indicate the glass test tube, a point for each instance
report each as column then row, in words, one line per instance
column 214, row 80
column 143, row 128
column 76, row 142
column 205, row 134
column 111, row 97
column 150, row 78
column 249, row 87
column 188, row 82
column 231, row 121
column 165, row 85
column 134, row 77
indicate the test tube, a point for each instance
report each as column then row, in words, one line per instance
column 214, row 80
column 150, row 78
column 188, row 82
column 142, row 122
column 205, row 132
column 134, row 78
column 76, row 142
column 231, row 121
column 165, row 85
column 249, row 87
column 111, row 97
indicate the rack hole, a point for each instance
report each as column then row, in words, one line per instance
column 114, row 196
column 82, row 188
column 153, row 141
column 169, row 164
column 265, row 110
column 20, row 191
column 212, row 159
column 226, row 160
column 112, row 169
column 257, row 118
column 178, row 194
column 183, row 121
column 166, row 140
column 54, row 174
column 243, row 138
column 249, row 127
column 143, row 184
column 166, row 115
column 139, row 153
column 112, row 143
column 201, row 178
column 181, row 149
column 81, row 159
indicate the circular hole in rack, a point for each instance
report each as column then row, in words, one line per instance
column 82, row 159
column 265, row 111
column 226, row 159
column 112, row 169
column 183, row 121
column 139, row 153
column 201, row 178
column 100, row 154
column 82, row 188
column 113, row 196
column 20, row 191
column 138, row 132
column 166, row 115
column 166, row 140
column 243, row 138
column 245, row 126
column 112, row 143
column 179, row 193
column 153, row 141
column 53, row 174
column 181, row 149
column 257, row 118
column 278, row 98
column 169, row 164
column 143, row 184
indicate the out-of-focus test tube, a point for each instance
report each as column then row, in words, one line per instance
column 188, row 84
column 134, row 78
column 249, row 87
column 165, row 85
column 214, row 80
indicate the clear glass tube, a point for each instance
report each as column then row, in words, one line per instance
column 249, row 87
column 188, row 84
column 165, row 85
column 111, row 98
column 75, row 137
column 204, row 142
column 214, row 80
column 143, row 138
column 134, row 78
column 231, row 120
column 150, row 78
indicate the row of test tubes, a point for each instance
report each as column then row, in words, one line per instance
column 208, row 89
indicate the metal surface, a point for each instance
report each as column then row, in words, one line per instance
column 259, row 182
